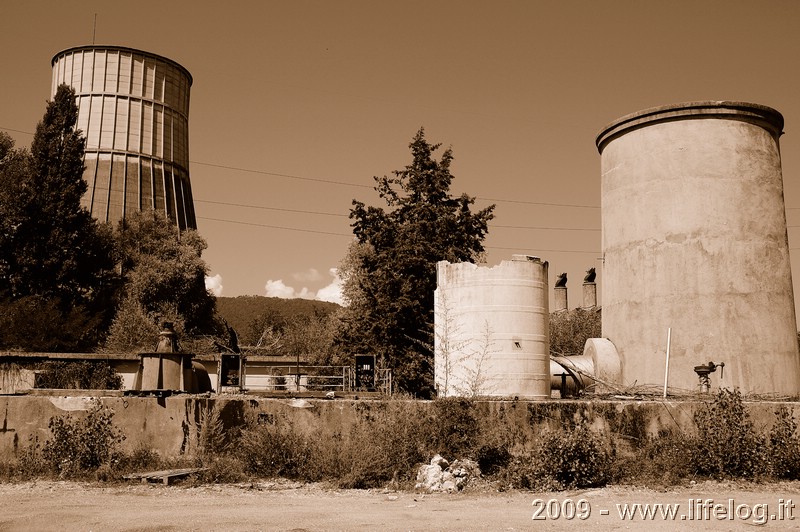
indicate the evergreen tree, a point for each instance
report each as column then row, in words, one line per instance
column 52, row 247
column 56, row 262
column 390, row 273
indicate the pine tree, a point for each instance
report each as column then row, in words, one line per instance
column 390, row 274
column 56, row 261
column 53, row 247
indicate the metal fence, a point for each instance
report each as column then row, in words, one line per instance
column 269, row 378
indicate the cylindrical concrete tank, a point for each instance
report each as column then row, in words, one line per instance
column 492, row 336
column 694, row 239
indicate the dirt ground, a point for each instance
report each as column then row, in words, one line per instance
column 42, row 506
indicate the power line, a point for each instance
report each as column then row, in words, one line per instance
column 290, row 176
column 17, row 131
column 274, row 226
column 542, row 250
column 300, row 211
column 573, row 205
column 271, row 208
column 494, row 226
column 348, row 184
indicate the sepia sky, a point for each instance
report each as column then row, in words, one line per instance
column 297, row 104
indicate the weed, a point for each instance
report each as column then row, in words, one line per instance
column 455, row 427
column 81, row 445
column 565, row 459
column 658, row 461
column 784, row 446
column 270, row 450
column 727, row 444
column 211, row 434
column 85, row 375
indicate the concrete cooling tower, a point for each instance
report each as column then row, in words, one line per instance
column 695, row 240
column 133, row 108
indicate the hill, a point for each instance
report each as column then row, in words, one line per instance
column 246, row 314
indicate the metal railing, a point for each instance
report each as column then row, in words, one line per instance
column 264, row 377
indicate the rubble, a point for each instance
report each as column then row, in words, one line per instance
column 445, row 477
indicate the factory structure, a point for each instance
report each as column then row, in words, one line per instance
column 697, row 288
column 133, row 109
column 696, row 275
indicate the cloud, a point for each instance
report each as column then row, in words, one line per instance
column 332, row 292
column 214, row 283
column 280, row 289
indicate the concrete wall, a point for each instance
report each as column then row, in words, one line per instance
column 492, row 329
column 695, row 239
column 170, row 425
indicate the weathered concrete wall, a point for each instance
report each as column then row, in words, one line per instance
column 492, row 329
column 170, row 425
column 695, row 239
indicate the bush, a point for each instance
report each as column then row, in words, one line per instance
column 565, row 459
column 578, row 458
column 727, row 444
column 211, row 436
column 83, row 375
column 272, row 450
column 784, row 446
column 662, row 460
column 81, row 445
column 385, row 446
column 570, row 330
column 455, row 429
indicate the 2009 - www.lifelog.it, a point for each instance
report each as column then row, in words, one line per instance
column 696, row 509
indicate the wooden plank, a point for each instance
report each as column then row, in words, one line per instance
column 164, row 476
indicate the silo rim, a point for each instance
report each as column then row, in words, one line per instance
column 123, row 49
column 766, row 117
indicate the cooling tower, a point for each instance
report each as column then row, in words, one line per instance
column 491, row 329
column 694, row 240
column 133, row 109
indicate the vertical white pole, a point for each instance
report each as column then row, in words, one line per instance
column 666, row 364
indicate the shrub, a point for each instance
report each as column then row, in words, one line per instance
column 385, row 446
column 727, row 444
column 83, row 375
column 570, row 330
column 578, row 458
column 211, row 434
column 222, row 469
column 659, row 461
column 565, row 459
column 455, row 429
column 784, row 446
column 272, row 449
column 141, row 459
column 81, row 445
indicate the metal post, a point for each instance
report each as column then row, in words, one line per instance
column 666, row 364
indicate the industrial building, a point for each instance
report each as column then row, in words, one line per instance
column 696, row 269
column 134, row 112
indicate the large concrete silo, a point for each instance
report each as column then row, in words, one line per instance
column 492, row 329
column 694, row 239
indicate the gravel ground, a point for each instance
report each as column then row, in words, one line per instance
column 43, row 506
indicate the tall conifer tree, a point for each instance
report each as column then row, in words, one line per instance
column 390, row 274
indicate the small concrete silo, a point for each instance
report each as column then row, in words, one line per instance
column 695, row 241
column 492, row 329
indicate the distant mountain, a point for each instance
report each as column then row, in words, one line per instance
column 243, row 311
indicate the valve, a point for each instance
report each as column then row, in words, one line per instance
column 703, row 372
